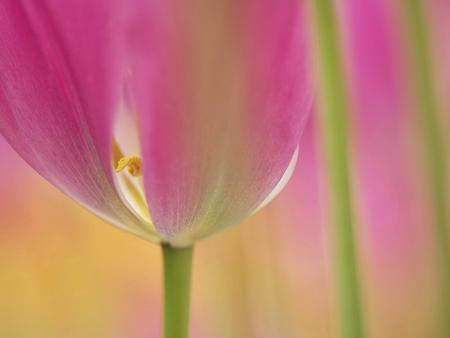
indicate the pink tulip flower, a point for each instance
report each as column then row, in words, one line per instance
column 170, row 119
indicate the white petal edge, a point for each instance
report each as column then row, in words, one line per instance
column 126, row 137
column 281, row 183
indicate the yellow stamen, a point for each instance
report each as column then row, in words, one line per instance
column 133, row 163
column 117, row 152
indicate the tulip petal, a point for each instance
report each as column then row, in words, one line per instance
column 281, row 184
column 223, row 92
column 88, row 33
column 56, row 98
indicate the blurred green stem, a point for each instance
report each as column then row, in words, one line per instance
column 433, row 141
column 177, row 287
column 335, row 131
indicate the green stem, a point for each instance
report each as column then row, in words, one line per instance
column 433, row 142
column 177, row 286
column 335, row 131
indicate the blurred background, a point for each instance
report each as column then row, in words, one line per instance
column 65, row 273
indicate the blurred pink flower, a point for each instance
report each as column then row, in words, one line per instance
column 391, row 207
column 207, row 100
column 392, row 210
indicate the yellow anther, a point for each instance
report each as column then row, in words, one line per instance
column 133, row 163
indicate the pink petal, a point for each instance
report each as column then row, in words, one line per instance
column 223, row 94
column 58, row 82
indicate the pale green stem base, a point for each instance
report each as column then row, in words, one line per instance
column 433, row 141
column 334, row 126
column 177, row 287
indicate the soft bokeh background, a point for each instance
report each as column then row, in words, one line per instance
column 65, row 273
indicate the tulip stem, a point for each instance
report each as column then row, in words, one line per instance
column 433, row 142
column 177, row 286
column 334, row 127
